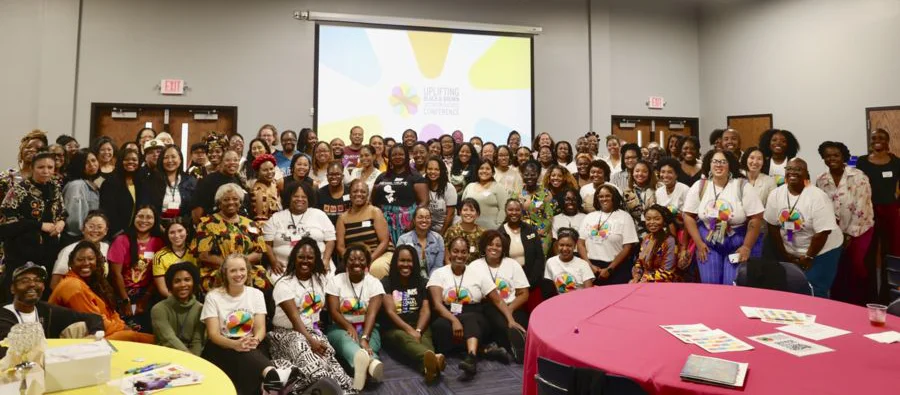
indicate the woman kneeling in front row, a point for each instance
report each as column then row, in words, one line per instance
column 457, row 301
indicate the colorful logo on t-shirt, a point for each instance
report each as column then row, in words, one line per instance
column 600, row 231
column 352, row 306
column 672, row 208
column 405, row 301
column 564, row 283
column 238, row 323
column 503, row 287
column 719, row 210
column 463, row 297
column 791, row 217
column 779, row 180
column 310, row 305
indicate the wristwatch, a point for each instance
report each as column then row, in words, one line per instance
column 364, row 337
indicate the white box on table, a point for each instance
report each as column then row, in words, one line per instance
column 77, row 365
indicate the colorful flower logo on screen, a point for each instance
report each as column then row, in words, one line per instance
column 719, row 210
column 352, row 306
column 309, row 305
column 793, row 217
column 600, row 231
column 564, row 283
column 405, row 100
column 239, row 323
column 462, row 298
column 503, row 288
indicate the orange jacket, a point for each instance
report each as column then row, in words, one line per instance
column 74, row 293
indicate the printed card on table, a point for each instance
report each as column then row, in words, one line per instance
column 717, row 341
column 813, row 331
column 790, row 344
column 686, row 333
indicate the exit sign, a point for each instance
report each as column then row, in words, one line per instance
column 656, row 103
column 171, row 87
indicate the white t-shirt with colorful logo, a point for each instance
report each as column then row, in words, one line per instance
column 675, row 201
column 799, row 218
column 508, row 277
column 308, row 296
column 605, row 234
column 354, row 298
column 723, row 204
column 235, row 314
column 470, row 288
column 568, row 276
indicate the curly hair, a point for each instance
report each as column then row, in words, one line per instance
column 765, row 143
column 617, row 199
column 845, row 152
column 97, row 282
column 734, row 167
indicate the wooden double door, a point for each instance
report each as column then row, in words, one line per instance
column 628, row 128
column 750, row 127
column 121, row 122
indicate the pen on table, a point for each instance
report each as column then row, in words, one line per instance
column 144, row 369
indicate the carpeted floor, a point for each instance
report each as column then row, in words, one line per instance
column 493, row 378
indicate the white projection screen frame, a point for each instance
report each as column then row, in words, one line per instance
column 388, row 79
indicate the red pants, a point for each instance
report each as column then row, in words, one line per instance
column 887, row 227
column 853, row 270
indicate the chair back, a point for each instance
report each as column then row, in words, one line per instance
column 894, row 308
column 622, row 386
column 555, row 373
column 796, row 280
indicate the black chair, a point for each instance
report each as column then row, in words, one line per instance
column 892, row 269
column 554, row 378
column 894, row 308
column 794, row 278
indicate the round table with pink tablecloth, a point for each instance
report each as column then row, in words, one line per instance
column 617, row 329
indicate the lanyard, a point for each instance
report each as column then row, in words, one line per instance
column 312, row 290
column 293, row 224
column 458, row 286
column 174, row 187
column 355, row 294
column 491, row 272
column 37, row 317
column 716, row 194
column 791, row 208
column 603, row 222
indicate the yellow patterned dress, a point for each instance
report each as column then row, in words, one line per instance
column 218, row 237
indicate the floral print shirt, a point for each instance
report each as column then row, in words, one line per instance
column 539, row 209
column 852, row 200
column 221, row 238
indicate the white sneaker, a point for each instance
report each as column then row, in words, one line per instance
column 360, row 364
column 376, row 370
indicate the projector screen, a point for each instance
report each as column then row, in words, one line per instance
column 388, row 80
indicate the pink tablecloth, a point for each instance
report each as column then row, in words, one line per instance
column 616, row 329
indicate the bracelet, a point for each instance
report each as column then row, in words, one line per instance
column 364, row 337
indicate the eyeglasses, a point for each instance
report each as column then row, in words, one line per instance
column 29, row 280
column 720, row 162
column 793, row 168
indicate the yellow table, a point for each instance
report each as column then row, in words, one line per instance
column 214, row 379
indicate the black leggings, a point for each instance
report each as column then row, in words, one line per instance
column 499, row 326
column 474, row 325
column 243, row 368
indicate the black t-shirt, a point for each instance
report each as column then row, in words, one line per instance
column 396, row 189
column 331, row 206
column 407, row 302
column 883, row 178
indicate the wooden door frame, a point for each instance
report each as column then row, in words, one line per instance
column 693, row 122
column 95, row 110
column 771, row 118
column 868, row 118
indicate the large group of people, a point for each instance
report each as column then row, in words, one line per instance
column 294, row 264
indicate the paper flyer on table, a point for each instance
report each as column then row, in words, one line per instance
column 717, row 341
column 686, row 333
column 813, row 331
column 787, row 317
column 885, row 337
column 159, row 379
column 789, row 344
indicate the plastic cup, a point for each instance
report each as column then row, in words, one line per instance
column 877, row 314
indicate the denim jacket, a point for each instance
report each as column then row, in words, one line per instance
column 434, row 250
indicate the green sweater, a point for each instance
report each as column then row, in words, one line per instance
column 171, row 318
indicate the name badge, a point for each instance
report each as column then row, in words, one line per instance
column 539, row 204
column 170, row 205
column 295, row 237
column 789, row 226
column 252, row 229
column 455, row 308
column 366, row 224
column 398, row 179
column 465, row 173
column 148, row 254
column 887, row 174
column 529, row 237
column 314, row 317
column 346, row 198
column 712, row 212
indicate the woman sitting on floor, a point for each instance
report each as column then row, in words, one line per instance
column 407, row 313
column 85, row 289
column 176, row 320
column 566, row 272
column 656, row 259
